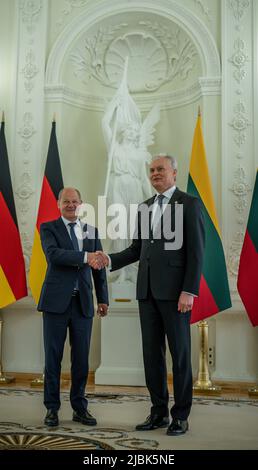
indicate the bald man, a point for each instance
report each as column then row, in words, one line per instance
column 66, row 301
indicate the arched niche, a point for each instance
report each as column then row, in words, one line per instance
column 172, row 36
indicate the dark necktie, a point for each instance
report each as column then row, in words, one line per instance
column 73, row 236
column 75, row 246
column 158, row 212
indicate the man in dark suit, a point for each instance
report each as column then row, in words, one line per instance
column 168, row 279
column 67, row 302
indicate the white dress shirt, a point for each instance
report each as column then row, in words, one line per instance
column 167, row 196
column 78, row 232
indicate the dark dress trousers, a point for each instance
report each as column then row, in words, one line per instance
column 162, row 276
column 63, row 310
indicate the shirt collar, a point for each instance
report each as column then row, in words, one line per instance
column 168, row 193
column 67, row 222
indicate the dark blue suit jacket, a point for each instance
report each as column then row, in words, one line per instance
column 65, row 265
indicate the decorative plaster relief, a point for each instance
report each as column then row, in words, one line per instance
column 30, row 12
column 27, row 247
column 240, row 189
column 179, row 49
column 239, row 60
column 24, row 190
column 238, row 7
column 27, row 131
column 156, row 54
column 234, row 253
column 204, row 9
column 240, row 123
column 30, row 70
column 89, row 55
column 69, row 6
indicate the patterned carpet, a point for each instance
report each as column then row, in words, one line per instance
column 215, row 423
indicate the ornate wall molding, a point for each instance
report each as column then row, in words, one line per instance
column 239, row 8
column 27, row 131
column 157, row 55
column 233, row 254
column 30, row 70
column 175, row 99
column 240, row 189
column 69, row 7
column 204, row 9
column 29, row 109
column 237, row 126
column 240, row 123
column 239, row 59
column 173, row 11
column 30, row 12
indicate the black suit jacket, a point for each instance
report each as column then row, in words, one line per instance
column 65, row 265
column 168, row 272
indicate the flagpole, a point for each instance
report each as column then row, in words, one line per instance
column 203, row 383
column 4, row 379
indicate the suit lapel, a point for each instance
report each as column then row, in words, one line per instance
column 89, row 237
column 149, row 203
column 176, row 196
column 67, row 242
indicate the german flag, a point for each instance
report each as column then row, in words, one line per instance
column 247, row 282
column 214, row 293
column 48, row 210
column 12, row 267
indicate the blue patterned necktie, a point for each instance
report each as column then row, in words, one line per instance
column 160, row 200
column 73, row 236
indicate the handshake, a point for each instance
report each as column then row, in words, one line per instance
column 98, row 260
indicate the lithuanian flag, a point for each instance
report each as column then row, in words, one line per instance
column 12, row 267
column 247, row 282
column 214, row 293
column 48, row 210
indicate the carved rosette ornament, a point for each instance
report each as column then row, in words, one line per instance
column 30, row 70
column 239, row 60
column 240, row 123
column 240, row 189
column 27, row 131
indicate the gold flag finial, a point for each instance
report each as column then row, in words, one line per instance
column 54, row 117
column 199, row 111
column 3, row 117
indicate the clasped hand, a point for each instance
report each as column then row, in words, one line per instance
column 98, row 260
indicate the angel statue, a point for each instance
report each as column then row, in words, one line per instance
column 127, row 139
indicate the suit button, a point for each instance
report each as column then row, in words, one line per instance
column 152, row 241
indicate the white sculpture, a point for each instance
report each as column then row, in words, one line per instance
column 127, row 139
